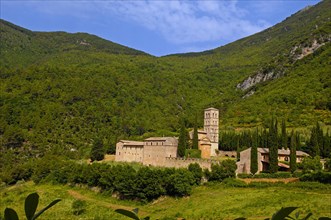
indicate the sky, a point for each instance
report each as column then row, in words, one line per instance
column 157, row 27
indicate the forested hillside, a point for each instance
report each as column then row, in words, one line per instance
column 60, row 91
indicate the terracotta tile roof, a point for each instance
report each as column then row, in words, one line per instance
column 211, row 109
column 165, row 139
column 282, row 152
column 132, row 143
column 283, row 165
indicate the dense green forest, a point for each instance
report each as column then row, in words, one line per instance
column 60, row 91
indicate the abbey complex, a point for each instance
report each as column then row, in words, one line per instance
column 162, row 151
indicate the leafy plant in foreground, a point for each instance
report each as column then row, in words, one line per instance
column 30, row 207
column 282, row 214
column 131, row 214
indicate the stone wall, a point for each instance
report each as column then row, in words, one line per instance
column 129, row 151
column 156, row 155
column 244, row 165
column 223, row 153
column 184, row 163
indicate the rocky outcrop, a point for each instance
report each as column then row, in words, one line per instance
column 299, row 52
column 248, row 94
column 296, row 53
column 253, row 80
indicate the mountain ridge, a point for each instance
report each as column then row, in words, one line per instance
column 57, row 91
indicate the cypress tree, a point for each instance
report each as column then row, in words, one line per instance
column 297, row 141
column 195, row 144
column 97, row 152
column 284, row 135
column 320, row 137
column 254, row 163
column 273, row 147
column 182, row 142
column 314, row 142
column 293, row 155
column 326, row 146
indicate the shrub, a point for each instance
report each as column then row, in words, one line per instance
column 180, row 183
column 265, row 184
column 311, row 164
column 192, row 153
column 124, row 180
column 297, row 173
column 147, row 184
column 322, row 177
column 78, row 207
column 245, row 175
column 265, row 175
column 234, row 182
column 225, row 169
column 196, row 170
column 42, row 168
column 327, row 165
column 279, row 175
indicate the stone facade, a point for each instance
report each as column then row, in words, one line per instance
column 244, row 165
column 204, row 143
column 223, row 153
column 211, row 121
column 184, row 163
column 152, row 151
column 129, row 151
column 156, row 149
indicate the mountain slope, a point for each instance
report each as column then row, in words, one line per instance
column 29, row 47
column 60, row 91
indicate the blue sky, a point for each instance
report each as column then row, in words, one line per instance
column 158, row 27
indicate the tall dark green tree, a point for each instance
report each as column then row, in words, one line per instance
column 97, row 151
column 254, row 163
column 273, row 146
column 182, row 141
column 284, row 135
column 316, row 140
column 293, row 155
column 297, row 141
column 326, row 151
column 195, row 139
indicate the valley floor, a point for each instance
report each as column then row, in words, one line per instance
column 216, row 201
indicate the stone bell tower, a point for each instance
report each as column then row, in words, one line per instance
column 211, row 119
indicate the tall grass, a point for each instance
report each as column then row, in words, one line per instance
column 214, row 201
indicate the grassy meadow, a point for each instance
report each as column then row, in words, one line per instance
column 215, row 201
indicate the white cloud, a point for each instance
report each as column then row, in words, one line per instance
column 183, row 22
column 179, row 22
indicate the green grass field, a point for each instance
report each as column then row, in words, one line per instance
column 215, row 201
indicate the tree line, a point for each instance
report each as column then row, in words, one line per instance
column 318, row 144
column 144, row 183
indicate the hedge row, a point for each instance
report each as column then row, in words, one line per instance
column 144, row 184
column 322, row 177
column 277, row 175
